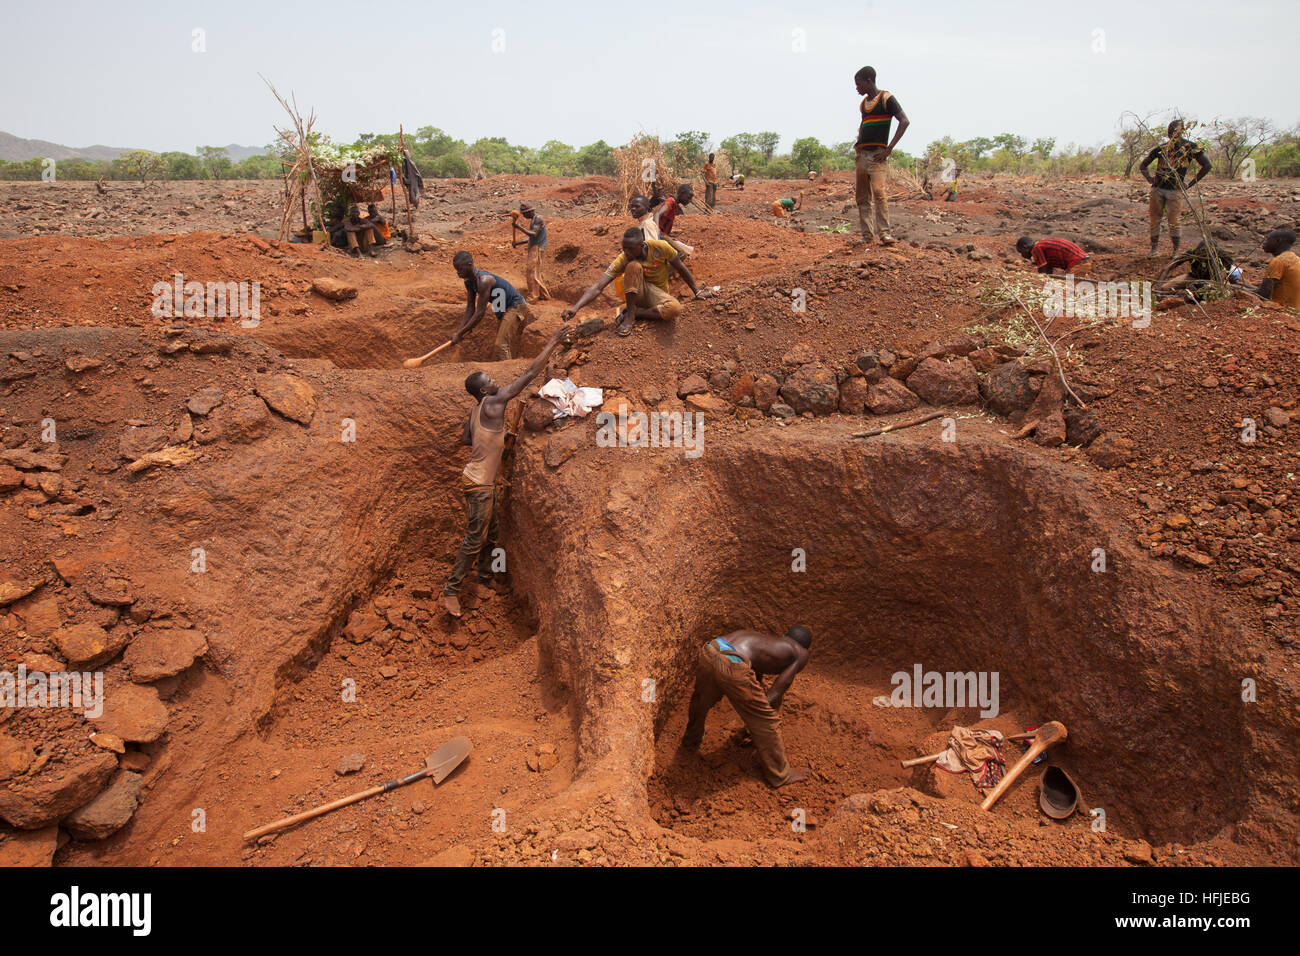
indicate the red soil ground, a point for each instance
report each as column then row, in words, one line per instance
column 973, row 555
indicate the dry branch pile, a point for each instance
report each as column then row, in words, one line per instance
column 642, row 166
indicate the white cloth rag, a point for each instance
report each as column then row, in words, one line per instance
column 569, row 399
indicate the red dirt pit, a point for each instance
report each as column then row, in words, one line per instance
column 255, row 524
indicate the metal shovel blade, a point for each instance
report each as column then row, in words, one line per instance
column 447, row 758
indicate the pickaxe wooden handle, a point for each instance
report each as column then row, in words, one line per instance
column 417, row 362
column 1052, row 732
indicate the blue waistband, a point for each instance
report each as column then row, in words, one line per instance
column 724, row 646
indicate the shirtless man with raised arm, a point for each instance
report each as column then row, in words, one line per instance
column 485, row 432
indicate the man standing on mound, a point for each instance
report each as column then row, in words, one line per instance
column 872, row 151
column 729, row 667
column 1166, row 200
column 485, row 433
column 645, row 265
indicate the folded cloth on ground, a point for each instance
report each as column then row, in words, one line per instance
column 976, row 751
column 569, row 399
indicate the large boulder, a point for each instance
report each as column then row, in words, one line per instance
column 46, row 798
column 161, row 653
column 289, row 396
column 108, row 812
column 1008, row 389
column 86, row 645
column 336, row 290
column 27, row 848
column 811, row 388
column 888, row 396
column 853, row 395
column 946, row 383
column 132, row 712
column 138, row 441
column 766, row 391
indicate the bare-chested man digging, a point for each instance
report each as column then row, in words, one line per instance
column 485, row 432
column 729, row 667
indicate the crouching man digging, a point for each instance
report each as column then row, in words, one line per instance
column 729, row 667
column 644, row 265
column 485, row 432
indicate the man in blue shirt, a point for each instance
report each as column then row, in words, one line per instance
column 483, row 289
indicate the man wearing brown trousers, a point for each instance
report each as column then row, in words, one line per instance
column 878, row 109
column 485, row 433
column 729, row 667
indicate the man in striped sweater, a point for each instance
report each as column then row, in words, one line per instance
column 878, row 108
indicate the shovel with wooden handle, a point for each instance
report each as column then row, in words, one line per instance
column 1050, row 734
column 417, row 362
column 438, row 766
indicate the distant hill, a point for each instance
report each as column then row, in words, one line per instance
column 15, row 149
column 239, row 153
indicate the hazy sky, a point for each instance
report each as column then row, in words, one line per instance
column 124, row 73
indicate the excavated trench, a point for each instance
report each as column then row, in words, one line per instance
column 975, row 557
column 354, row 337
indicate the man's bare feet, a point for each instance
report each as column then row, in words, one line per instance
column 797, row 775
column 452, row 603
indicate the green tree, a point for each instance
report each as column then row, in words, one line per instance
column 694, row 146
column 809, row 153
column 1043, row 147
column 743, row 148
column 556, row 158
column 596, row 159
column 182, row 166
column 766, row 143
column 215, row 159
column 449, row 165
column 139, row 164
column 1233, row 141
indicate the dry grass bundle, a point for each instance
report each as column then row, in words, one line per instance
column 475, row 163
column 722, row 163
column 903, row 184
column 642, row 165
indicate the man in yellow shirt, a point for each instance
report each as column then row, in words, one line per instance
column 1282, row 280
column 645, row 265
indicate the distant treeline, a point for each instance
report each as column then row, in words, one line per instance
column 1237, row 147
